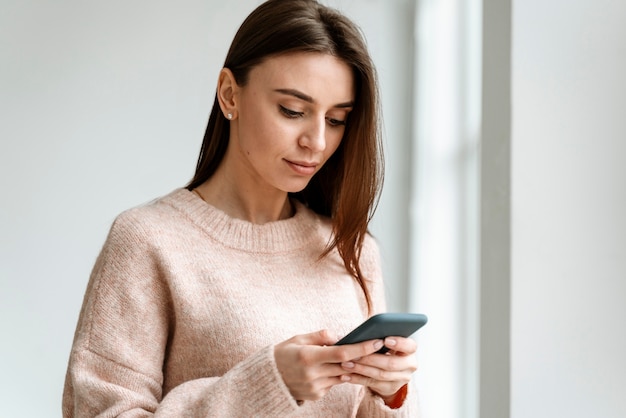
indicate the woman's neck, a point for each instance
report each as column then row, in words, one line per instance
column 254, row 206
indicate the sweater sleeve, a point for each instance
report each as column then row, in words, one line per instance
column 373, row 406
column 116, row 363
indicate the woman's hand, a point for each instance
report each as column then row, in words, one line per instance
column 384, row 374
column 310, row 364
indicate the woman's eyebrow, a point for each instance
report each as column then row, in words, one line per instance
column 309, row 99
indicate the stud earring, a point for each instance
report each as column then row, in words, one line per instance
column 229, row 116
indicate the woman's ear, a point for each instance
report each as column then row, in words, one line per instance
column 228, row 93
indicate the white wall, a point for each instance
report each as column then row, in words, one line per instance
column 569, row 209
column 103, row 106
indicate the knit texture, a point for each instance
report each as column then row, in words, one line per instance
column 184, row 307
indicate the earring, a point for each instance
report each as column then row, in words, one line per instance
column 229, row 116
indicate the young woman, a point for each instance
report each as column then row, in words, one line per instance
column 224, row 298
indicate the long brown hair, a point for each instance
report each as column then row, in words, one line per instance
column 347, row 187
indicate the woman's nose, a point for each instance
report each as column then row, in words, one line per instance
column 314, row 137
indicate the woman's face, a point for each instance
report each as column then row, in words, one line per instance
column 290, row 118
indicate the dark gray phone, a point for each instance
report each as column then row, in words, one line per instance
column 385, row 325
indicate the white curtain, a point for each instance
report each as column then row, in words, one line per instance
column 444, row 205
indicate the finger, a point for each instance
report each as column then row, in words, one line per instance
column 390, row 362
column 314, row 390
column 377, row 374
column 383, row 388
column 342, row 353
column 329, row 370
column 402, row 345
column 372, row 365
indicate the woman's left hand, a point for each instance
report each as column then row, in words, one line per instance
column 385, row 373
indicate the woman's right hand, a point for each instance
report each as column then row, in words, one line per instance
column 310, row 364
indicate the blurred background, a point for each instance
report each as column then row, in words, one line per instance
column 502, row 216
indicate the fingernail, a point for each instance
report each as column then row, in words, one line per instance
column 390, row 342
column 348, row 365
column 378, row 345
column 345, row 378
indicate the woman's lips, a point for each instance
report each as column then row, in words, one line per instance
column 304, row 168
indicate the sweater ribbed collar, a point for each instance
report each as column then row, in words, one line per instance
column 280, row 236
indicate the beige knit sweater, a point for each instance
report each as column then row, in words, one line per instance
column 185, row 304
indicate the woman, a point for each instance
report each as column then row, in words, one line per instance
column 224, row 298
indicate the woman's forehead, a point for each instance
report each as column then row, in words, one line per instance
column 317, row 75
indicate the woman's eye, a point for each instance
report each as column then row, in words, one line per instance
column 290, row 113
column 336, row 122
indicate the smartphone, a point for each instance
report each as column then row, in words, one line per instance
column 385, row 325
